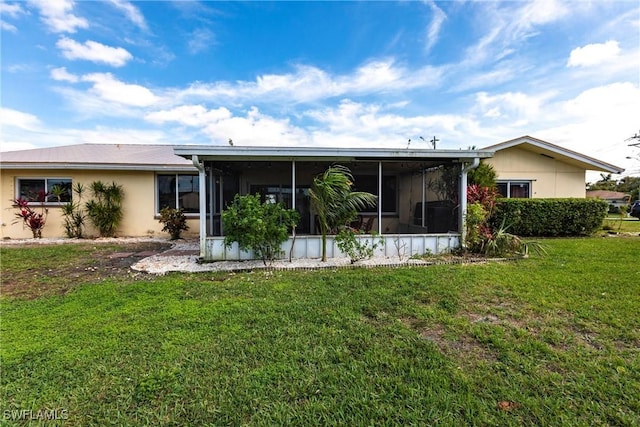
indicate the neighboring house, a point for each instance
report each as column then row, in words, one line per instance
column 615, row 199
column 530, row 167
column 418, row 209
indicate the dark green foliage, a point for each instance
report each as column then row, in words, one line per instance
column 260, row 227
column 174, row 220
column 550, row 217
column 105, row 210
column 74, row 215
column 483, row 176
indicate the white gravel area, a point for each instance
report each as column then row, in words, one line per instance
column 161, row 264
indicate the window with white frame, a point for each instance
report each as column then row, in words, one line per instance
column 514, row 189
column 178, row 191
column 44, row 190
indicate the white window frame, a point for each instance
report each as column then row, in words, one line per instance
column 46, row 180
column 510, row 182
column 177, row 199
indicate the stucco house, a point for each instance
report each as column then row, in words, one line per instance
column 419, row 207
column 531, row 167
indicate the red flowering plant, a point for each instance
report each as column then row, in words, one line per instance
column 31, row 219
column 481, row 202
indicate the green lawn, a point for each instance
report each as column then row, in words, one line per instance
column 541, row 341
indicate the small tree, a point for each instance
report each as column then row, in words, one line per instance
column 105, row 210
column 483, row 176
column 260, row 227
column 174, row 220
column 333, row 201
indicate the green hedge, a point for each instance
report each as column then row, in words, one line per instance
column 550, row 217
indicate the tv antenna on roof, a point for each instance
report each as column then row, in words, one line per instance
column 433, row 141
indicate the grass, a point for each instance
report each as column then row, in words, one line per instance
column 622, row 225
column 541, row 341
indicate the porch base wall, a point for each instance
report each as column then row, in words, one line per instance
column 310, row 247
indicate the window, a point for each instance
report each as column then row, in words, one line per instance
column 369, row 183
column 515, row 189
column 179, row 191
column 48, row 190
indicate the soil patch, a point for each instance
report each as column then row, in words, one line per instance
column 96, row 263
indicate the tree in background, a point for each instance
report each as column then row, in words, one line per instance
column 483, row 176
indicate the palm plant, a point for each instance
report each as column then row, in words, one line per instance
column 105, row 210
column 333, row 201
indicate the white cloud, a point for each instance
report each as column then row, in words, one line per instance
column 93, row 51
column 18, row 119
column 433, row 31
column 593, row 54
column 516, row 107
column 309, row 84
column 189, row 115
column 61, row 74
column 11, row 10
column 200, row 40
column 132, row 12
column 58, row 15
column 541, row 12
column 109, row 88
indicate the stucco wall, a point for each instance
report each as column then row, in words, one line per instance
column 550, row 177
column 138, row 207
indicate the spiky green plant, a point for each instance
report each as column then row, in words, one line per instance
column 105, row 209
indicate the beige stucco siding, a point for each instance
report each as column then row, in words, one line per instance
column 549, row 177
column 138, row 208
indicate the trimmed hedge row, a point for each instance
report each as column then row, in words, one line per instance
column 550, row 217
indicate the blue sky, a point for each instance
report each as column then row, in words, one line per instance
column 368, row 74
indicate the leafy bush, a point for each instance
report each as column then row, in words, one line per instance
column 31, row 219
column 355, row 248
column 550, row 217
column 74, row 215
column 174, row 220
column 260, row 227
column 105, row 210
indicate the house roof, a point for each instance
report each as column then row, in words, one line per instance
column 98, row 156
column 608, row 195
column 547, row 149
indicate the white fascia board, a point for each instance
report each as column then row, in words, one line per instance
column 323, row 153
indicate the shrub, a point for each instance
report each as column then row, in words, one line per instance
column 550, row 217
column 105, row 210
column 260, row 227
column 355, row 248
column 174, row 220
column 31, row 219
